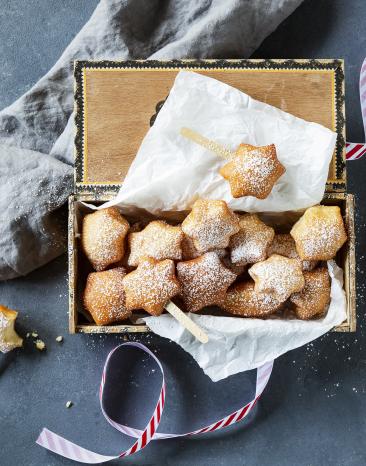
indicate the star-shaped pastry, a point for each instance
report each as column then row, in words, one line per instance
column 312, row 300
column 151, row 285
column 103, row 237
column 158, row 240
column 242, row 300
column 284, row 245
column 210, row 225
column 9, row 339
column 319, row 233
column 104, row 296
column 251, row 243
column 253, row 171
column 204, row 281
column 278, row 276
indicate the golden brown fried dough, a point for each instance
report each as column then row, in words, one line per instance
column 243, row 300
column 204, row 281
column 104, row 296
column 151, row 285
column 9, row 339
column 251, row 243
column 284, row 245
column 319, row 233
column 315, row 296
column 253, row 171
column 210, row 225
column 278, row 276
column 103, row 237
column 158, row 240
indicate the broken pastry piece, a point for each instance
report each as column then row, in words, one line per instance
column 319, row 233
column 313, row 299
column 210, row 225
column 278, row 276
column 284, row 245
column 158, row 240
column 204, row 281
column 104, row 296
column 251, row 243
column 151, row 285
column 9, row 339
column 253, row 171
column 242, row 300
column 103, row 237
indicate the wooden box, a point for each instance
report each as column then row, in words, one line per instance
column 117, row 102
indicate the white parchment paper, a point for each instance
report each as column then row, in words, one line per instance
column 239, row 344
column 170, row 172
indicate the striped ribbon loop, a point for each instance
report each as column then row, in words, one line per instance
column 355, row 151
column 63, row 447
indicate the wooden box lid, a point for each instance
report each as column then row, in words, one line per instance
column 116, row 102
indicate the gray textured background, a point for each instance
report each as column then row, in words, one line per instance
column 314, row 410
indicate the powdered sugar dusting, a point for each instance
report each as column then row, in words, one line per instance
column 210, row 225
column 284, row 245
column 104, row 296
column 278, row 275
column 103, row 237
column 250, row 244
column 158, row 240
column 243, row 300
column 151, row 285
column 204, row 281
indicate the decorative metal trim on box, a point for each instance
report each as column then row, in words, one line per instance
column 99, row 190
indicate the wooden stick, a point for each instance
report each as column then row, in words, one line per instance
column 213, row 146
column 187, row 323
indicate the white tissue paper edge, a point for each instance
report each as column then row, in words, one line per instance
column 239, row 344
column 170, row 172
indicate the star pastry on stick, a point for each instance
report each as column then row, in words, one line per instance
column 242, row 300
column 9, row 339
column 204, row 281
column 158, row 240
column 210, row 224
column 312, row 300
column 278, row 276
column 319, row 233
column 251, row 243
column 253, row 171
column 104, row 296
column 284, row 245
column 151, row 285
column 103, row 236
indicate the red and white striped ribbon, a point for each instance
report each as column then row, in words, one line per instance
column 63, row 447
column 355, row 151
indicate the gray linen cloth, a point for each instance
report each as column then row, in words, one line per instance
column 36, row 131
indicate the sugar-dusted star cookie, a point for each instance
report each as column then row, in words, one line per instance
column 242, row 300
column 253, row 171
column 151, row 285
column 158, row 240
column 319, row 233
column 313, row 299
column 103, row 237
column 284, row 245
column 204, row 281
column 278, row 276
column 104, row 296
column 251, row 243
column 210, row 225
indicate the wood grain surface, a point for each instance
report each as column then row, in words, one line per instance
column 120, row 103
